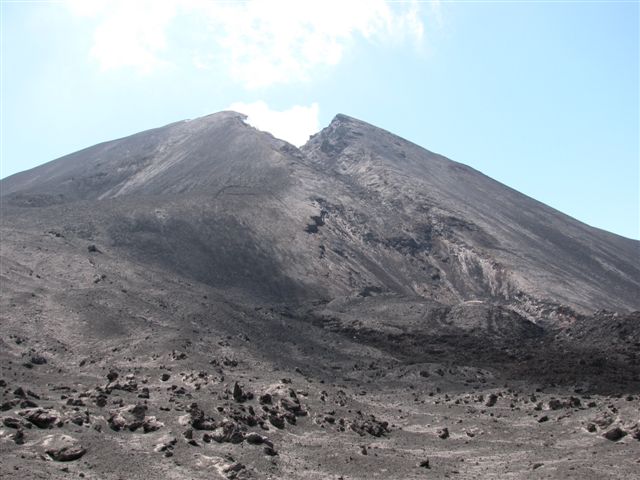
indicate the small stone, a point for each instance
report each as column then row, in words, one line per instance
column 26, row 403
column 144, row 393
column 138, row 411
column 234, row 467
column 41, row 418
column 166, row 443
column 63, row 448
column 11, row 422
column 555, row 404
column 276, row 421
column 117, row 422
column 614, row 434
column 8, row 405
column 151, row 424
column 67, row 454
column 254, row 438
column 18, row 437
column 238, row 394
column 38, row 360
column 270, row 451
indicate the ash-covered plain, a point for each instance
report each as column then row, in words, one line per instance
column 204, row 301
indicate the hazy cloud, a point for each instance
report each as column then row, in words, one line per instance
column 257, row 43
column 128, row 33
column 285, row 41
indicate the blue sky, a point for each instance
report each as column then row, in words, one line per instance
column 542, row 96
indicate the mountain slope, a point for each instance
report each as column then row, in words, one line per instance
column 187, row 156
column 517, row 243
column 356, row 209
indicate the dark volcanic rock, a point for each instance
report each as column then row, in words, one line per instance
column 198, row 420
column 255, row 438
column 614, row 434
column 18, row 437
column 166, row 445
column 238, row 394
column 276, row 420
column 228, row 432
column 370, row 425
column 12, row 422
column 133, row 418
column 63, row 448
column 8, row 405
column 41, row 418
column 67, row 454
column 269, row 450
column 38, row 360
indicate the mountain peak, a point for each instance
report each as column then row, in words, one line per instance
column 342, row 118
column 346, row 121
column 400, row 203
column 340, row 132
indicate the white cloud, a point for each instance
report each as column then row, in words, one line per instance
column 121, row 40
column 294, row 125
column 86, row 8
column 128, row 33
column 256, row 42
column 287, row 40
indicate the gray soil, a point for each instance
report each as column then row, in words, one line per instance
column 205, row 301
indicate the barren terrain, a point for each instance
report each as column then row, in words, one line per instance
column 206, row 301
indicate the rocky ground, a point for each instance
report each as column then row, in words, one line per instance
column 195, row 386
column 233, row 419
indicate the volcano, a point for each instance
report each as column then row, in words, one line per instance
column 204, row 300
